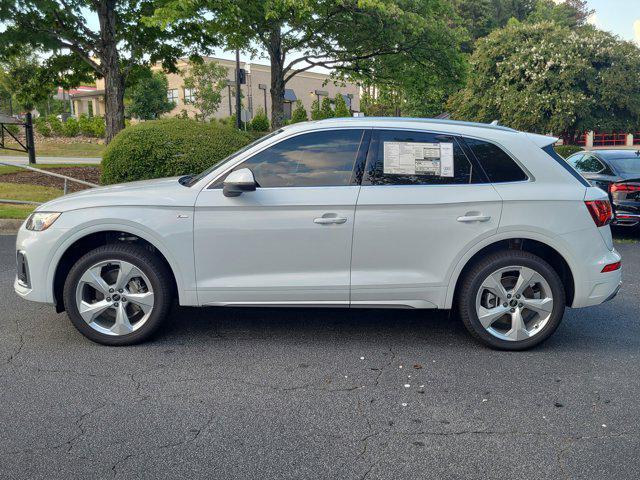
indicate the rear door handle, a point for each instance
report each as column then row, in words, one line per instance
column 474, row 218
column 330, row 219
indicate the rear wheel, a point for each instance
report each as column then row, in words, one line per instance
column 118, row 294
column 512, row 300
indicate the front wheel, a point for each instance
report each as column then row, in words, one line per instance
column 512, row 300
column 118, row 294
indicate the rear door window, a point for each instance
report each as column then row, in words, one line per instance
column 495, row 162
column 401, row 157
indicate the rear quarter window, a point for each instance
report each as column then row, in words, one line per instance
column 495, row 162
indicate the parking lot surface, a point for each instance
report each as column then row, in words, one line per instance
column 319, row 394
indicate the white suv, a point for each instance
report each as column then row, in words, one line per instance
column 386, row 213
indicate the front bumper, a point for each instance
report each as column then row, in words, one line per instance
column 37, row 250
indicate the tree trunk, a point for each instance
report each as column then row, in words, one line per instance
column 111, row 69
column 277, row 77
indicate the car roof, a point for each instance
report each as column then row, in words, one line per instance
column 426, row 121
column 614, row 154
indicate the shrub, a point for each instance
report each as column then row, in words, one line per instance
column 299, row 114
column 55, row 123
column 91, row 126
column 566, row 151
column 325, row 110
column 316, row 114
column 259, row 123
column 70, row 128
column 341, row 107
column 42, row 126
column 168, row 147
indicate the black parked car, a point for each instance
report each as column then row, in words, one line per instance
column 616, row 172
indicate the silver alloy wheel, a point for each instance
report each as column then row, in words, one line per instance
column 114, row 297
column 514, row 303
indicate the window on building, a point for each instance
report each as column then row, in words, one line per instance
column 189, row 95
column 398, row 157
column 172, row 95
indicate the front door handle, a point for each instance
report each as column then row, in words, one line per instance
column 474, row 218
column 330, row 219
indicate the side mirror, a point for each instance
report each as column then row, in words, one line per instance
column 238, row 182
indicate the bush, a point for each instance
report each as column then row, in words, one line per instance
column 70, row 128
column 56, row 124
column 259, row 123
column 566, row 151
column 168, row 147
column 91, row 126
column 42, row 126
column 299, row 114
column 341, row 109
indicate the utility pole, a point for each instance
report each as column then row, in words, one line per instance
column 238, row 100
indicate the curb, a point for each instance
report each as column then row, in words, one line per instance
column 9, row 226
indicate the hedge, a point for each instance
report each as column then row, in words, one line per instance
column 566, row 151
column 166, row 148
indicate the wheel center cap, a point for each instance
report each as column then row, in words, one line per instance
column 514, row 303
column 115, row 297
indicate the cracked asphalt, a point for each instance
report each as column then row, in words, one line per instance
column 319, row 394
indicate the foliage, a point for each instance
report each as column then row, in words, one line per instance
column 386, row 104
column 260, row 122
column 548, row 78
column 325, row 109
column 341, row 109
column 316, row 113
column 299, row 113
column 148, row 97
column 55, row 124
column 67, row 31
column 71, row 127
column 381, row 41
column 570, row 13
column 207, row 79
column 42, row 126
column 168, row 147
column 28, row 82
column 91, row 126
column 565, row 151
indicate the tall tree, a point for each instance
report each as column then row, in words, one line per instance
column 111, row 51
column 548, row 78
column 148, row 97
column 206, row 80
column 343, row 35
column 26, row 80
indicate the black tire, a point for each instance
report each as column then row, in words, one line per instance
column 144, row 260
column 473, row 280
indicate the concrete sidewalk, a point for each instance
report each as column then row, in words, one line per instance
column 21, row 160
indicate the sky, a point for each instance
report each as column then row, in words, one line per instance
column 621, row 17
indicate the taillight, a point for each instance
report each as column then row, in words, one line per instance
column 600, row 211
column 624, row 187
column 612, row 267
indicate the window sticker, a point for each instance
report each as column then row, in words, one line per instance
column 412, row 158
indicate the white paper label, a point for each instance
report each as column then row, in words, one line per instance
column 413, row 158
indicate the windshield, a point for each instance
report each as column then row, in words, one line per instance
column 190, row 180
column 627, row 165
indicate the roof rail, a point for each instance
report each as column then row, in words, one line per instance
column 434, row 121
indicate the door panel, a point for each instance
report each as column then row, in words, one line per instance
column 411, row 229
column 267, row 247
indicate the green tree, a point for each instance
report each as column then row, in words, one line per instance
column 118, row 45
column 26, row 80
column 207, row 79
column 570, row 13
column 325, row 109
column 350, row 37
column 299, row 113
column 148, row 97
column 341, row 109
column 548, row 78
column 260, row 122
column 316, row 113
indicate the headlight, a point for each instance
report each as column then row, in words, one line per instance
column 39, row 221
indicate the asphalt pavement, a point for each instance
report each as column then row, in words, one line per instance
column 319, row 394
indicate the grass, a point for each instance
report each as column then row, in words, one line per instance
column 32, row 193
column 55, row 149
column 46, row 166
